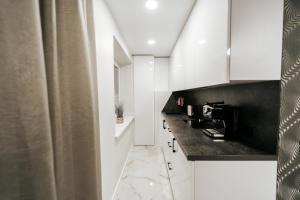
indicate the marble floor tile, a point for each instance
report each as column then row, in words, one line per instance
column 145, row 176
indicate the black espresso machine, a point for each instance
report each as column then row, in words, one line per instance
column 219, row 120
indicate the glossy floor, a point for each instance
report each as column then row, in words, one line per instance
column 145, row 176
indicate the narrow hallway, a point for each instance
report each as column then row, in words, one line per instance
column 145, row 176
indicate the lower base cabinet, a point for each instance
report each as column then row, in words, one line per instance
column 235, row 180
column 180, row 170
column 216, row 180
column 182, row 179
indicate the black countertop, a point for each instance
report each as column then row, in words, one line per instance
column 197, row 146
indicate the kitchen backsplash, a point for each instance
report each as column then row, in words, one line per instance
column 258, row 104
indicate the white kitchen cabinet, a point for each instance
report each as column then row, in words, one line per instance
column 165, row 138
column 144, row 100
column 187, row 58
column 177, row 69
column 256, row 39
column 162, row 92
column 235, row 180
column 167, row 148
column 209, row 41
column 161, row 137
column 161, row 98
column 217, row 179
column 180, row 170
column 161, row 74
column 200, row 55
column 182, row 179
column 227, row 41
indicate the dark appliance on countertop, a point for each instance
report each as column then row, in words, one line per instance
column 219, row 120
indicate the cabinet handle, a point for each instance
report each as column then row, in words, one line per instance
column 173, row 145
column 170, row 166
column 164, row 124
column 169, row 144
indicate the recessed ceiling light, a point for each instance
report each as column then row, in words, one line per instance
column 151, row 42
column 229, row 52
column 201, row 41
column 151, row 4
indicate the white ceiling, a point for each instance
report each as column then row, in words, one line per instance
column 138, row 24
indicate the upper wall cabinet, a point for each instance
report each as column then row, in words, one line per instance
column 207, row 38
column 176, row 68
column 251, row 31
column 256, row 39
column 200, row 56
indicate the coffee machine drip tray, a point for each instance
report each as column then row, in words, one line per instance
column 214, row 133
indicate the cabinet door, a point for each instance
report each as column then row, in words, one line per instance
column 172, row 81
column 177, row 70
column 182, row 179
column 235, row 180
column 200, row 54
column 188, row 56
column 144, row 100
column 256, row 39
column 211, row 41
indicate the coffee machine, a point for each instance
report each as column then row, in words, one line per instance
column 219, row 120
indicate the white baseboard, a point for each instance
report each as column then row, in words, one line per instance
column 120, row 177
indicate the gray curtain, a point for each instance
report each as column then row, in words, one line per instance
column 49, row 139
column 289, row 134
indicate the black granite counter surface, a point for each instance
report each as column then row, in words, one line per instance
column 197, row 146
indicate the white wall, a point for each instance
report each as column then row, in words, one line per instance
column 162, row 93
column 113, row 152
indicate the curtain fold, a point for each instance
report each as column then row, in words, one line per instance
column 288, row 170
column 49, row 139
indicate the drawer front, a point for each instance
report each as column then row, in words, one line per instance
column 182, row 180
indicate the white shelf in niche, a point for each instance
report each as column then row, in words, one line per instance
column 120, row 128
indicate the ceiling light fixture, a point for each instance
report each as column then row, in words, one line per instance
column 229, row 52
column 151, row 42
column 151, row 4
column 201, row 41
